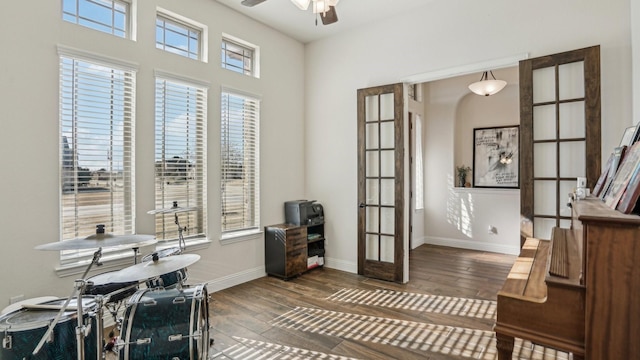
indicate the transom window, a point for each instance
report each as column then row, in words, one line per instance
column 239, row 56
column 96, row 147
column 178, row 36
column 240, row 168
column 180, row 166
column 109, row 16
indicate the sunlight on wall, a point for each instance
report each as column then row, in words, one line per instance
column 459, row 209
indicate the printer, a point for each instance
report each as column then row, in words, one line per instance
column 303, row 212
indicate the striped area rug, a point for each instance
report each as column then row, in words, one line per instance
column 484, row 309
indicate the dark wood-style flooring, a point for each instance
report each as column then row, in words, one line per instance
column 304, row 318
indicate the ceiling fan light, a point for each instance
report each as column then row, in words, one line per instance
column 320, row 6
column 486, row 87
column 301, row 4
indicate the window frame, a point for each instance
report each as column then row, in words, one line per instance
column 255, row 57
column 129, row 31
column 200, row 198
column 187, row 24
column 245, row 232
column 71, row 258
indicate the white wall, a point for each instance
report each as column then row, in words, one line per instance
column 635, row 44
column 441, row 35
column 452, row 111
column 29, row 133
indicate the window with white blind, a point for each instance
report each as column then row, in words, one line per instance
column 96, row 149
column 179, row 35
column 180, row 166
column 109, row 16
column 240, row 56
column 240, row 164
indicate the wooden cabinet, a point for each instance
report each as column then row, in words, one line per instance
column 290, row 250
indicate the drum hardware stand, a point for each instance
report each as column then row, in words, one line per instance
column 181, row 242
column 81, row 329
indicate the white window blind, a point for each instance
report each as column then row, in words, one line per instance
column 96, row 147
column 180, row 174
column 109, row 16
column 240, row 163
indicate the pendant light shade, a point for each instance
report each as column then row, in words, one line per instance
column 301, row 4
column 486, row 86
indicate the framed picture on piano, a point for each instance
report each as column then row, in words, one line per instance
column 628, row 168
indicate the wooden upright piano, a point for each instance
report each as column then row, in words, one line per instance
column 578, row 292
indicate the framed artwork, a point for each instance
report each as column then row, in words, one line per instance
column 496, row 157
column 628, row 167
column 627, row 136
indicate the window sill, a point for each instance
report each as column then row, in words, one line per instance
column 241, row 236
column 125, row 259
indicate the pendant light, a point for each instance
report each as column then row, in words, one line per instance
column 486, row 86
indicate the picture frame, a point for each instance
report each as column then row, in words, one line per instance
column 496, row 157
column 628, row 136
column 626, row 171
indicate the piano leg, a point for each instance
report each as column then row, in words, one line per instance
column 505, row 346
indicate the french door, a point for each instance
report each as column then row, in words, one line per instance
column 381, row 183
column 560, row 135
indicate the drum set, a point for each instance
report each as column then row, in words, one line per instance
column 163, row 318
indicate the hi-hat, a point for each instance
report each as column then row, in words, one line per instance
column 100, row 240
column 151, row 269
column 173, row 209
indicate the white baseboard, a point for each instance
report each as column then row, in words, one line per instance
column 341, row 265
column 472, row 245
column 235, row 279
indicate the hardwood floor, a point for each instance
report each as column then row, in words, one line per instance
column 446, row 311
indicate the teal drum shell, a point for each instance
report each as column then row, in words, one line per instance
column 166, row 324
column 171, row 279
column 21, row 331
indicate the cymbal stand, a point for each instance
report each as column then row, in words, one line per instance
column 181, row 242
column 79, row 286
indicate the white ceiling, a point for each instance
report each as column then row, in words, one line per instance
column 285, row 17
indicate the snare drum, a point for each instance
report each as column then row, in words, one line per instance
column 21, row 331
column 167, row 280
column 102, row 286
column 166, row 324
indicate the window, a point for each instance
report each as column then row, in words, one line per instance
column 240, row 168
column 179, row 156
column 239, row 56
column 109, row 16
column 179, row 35
column 96, row 147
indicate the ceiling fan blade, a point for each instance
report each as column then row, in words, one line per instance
column 330, row 16
column 251, row 2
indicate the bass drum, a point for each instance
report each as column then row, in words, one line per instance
column 21, row 331
column 166, row 324
column 170, row 279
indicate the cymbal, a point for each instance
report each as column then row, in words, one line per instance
column 150, row 269
column 174, row 209
column 100, row 240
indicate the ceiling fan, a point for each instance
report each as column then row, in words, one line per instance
column 326, row 8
